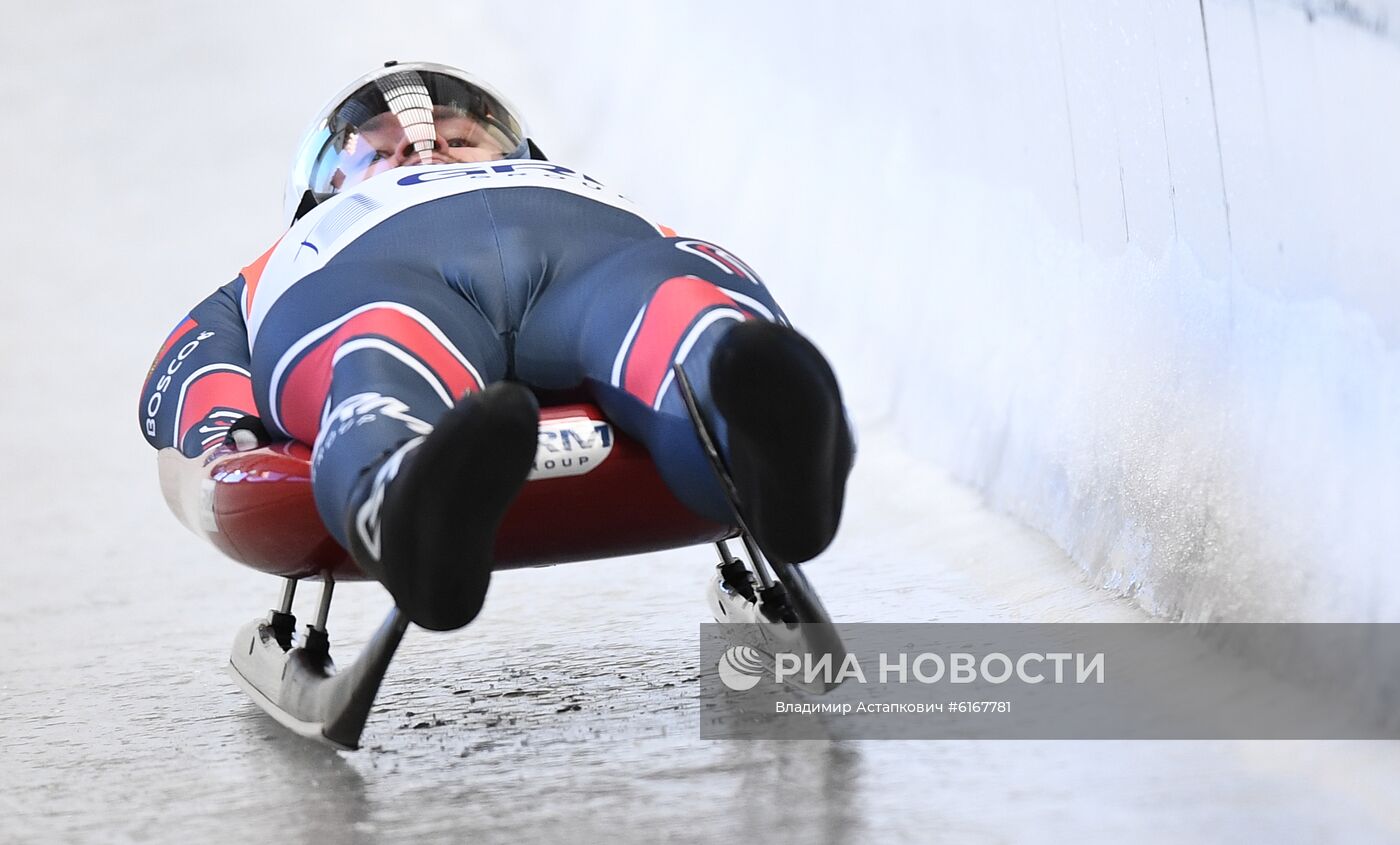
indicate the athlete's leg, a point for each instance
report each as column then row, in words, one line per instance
column 367, row 362
column 622, row 323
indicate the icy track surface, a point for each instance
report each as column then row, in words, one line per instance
column 564, row 708
column 150, row 170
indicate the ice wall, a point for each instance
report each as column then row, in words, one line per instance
column 1129, row 268
column 1165, row 329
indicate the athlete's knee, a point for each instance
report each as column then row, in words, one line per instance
column 680, row 322
column 384, row 349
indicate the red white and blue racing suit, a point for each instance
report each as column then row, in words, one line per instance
column 383, row 305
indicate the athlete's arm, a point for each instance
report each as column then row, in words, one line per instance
column 199, row 384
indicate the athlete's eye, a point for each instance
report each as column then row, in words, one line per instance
column 458, row 142
column 379, row 155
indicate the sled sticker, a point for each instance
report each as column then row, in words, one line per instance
column 571, row 446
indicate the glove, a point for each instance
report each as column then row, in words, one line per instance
column 247, row 433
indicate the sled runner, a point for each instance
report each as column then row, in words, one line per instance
column 593, row 493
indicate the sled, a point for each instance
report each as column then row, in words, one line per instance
column 594, row 493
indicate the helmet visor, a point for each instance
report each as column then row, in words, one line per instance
column 403, row 118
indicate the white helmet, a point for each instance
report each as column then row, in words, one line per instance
column 409, row 113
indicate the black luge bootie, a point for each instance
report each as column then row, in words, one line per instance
column 790, row 449
column 429, row 522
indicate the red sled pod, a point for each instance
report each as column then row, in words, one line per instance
column 594, row 493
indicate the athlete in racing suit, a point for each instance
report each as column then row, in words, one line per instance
column 401, row 323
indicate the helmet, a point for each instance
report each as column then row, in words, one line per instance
column 401, row 114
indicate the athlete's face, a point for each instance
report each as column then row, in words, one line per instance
column 385, row 146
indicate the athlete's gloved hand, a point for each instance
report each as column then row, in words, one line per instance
column 247, row 433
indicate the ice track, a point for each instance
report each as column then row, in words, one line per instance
column 565, row 708
column 567, row 711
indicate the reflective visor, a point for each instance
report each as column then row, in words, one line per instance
column 405, row 117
